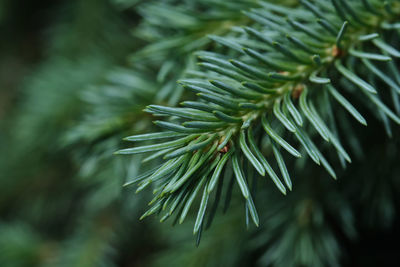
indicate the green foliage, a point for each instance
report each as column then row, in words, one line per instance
column 277, row 84
column 318, row 49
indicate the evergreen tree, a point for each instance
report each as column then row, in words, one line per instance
column 240, row 112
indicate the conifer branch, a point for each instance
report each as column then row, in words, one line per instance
column 273, row 82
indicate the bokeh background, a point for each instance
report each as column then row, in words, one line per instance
column 74, row 78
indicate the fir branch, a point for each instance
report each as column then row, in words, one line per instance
column 279, row 61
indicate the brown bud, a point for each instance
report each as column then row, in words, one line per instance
column 224, row 149
column 336, row 52
column 297, row 90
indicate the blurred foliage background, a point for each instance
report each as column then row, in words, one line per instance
column 74, row 78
